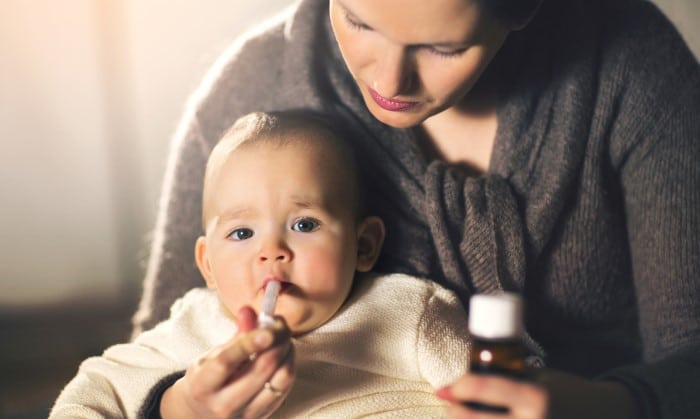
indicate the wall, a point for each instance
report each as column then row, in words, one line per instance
column 90, row 93
column 685, row 14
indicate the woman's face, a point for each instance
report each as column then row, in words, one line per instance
column 413, row 59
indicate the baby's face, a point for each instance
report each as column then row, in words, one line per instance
column 282, row 212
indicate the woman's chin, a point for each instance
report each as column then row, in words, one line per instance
column 397, row 119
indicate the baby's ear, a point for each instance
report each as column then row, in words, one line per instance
column 370, row 237
column 200, row 256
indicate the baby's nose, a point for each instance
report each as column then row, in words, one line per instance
column 275, row 251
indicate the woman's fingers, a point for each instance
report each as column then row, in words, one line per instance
column 230, row 379
column 268, row 379
column 246, row 319
column 225, row 362
column 522, row 399
column 246, row 346
column 268, row 389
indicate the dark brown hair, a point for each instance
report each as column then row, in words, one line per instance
column 512, row 12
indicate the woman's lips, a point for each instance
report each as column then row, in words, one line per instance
column 391, row 104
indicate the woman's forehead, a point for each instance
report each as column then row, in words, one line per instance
column 415, row 22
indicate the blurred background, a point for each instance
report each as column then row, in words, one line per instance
column 90, row 93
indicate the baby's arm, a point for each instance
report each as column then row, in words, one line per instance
column 117, row 383
column 443, row 343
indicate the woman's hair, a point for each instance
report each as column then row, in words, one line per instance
column 512, row 12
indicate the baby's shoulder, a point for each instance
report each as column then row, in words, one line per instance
column 397, row 291
column 195, row 299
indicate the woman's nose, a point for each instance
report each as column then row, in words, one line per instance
column 393, row 72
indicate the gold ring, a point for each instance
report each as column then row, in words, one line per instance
column 271, row 389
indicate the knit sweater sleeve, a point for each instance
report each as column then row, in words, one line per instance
column 656, row 145
column 171, row 270
column 118, row 383
column 442, row 348
column 662, row 186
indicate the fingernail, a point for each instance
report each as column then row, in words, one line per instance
column 445, row 393
column 263, row 339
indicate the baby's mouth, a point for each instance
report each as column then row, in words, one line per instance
column 284, row 285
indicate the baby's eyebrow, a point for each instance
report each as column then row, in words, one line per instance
column 232, row 214
column 307, row 202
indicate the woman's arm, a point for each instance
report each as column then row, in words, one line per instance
column 655, row 148
column 171, row 267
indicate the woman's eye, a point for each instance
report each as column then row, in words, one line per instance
column 241, row 234
column 446, row 53
column 305, row 225
column 354, row 23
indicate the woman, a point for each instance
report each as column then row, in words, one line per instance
column 548, row 148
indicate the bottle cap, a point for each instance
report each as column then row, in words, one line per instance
column 495, row 316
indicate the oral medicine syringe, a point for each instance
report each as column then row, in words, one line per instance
column 267, row 311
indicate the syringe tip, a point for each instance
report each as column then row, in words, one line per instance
column 267, row 310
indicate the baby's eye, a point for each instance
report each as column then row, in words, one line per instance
column 241, row 234
column 305, row 225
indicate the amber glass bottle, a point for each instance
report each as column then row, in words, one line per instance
column 496, row 326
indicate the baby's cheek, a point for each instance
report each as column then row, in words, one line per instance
column 233, row 299
column 333, row 262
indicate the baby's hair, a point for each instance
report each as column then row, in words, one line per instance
column 281, row 128
column 275, row 127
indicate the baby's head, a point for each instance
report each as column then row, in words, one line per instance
column 282, row 200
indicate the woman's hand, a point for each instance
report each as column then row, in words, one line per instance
column 549, row 395
column 247, row 377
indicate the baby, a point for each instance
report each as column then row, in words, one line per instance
column 282, row 202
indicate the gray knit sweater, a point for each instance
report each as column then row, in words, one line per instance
column 590, row 207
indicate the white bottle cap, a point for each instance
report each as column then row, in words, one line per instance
column 495, row 316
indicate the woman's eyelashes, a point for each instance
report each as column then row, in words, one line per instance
column 354, row 23
column 443, row 53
